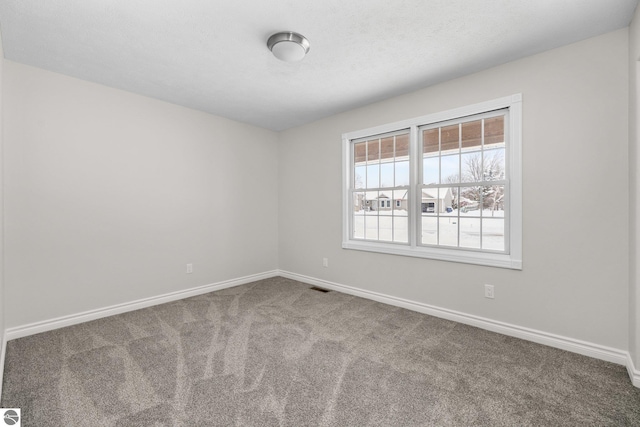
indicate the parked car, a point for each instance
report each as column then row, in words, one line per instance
column 469, row 206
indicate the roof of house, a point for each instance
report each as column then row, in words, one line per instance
column 401, row 194
column 432, row 193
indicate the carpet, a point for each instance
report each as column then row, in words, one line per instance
column 277, row 353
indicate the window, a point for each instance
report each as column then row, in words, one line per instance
column 456, row 181
column 380, row 173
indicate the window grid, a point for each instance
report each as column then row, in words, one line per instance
column 496, row 197
column 461, row 183
column 363, row 195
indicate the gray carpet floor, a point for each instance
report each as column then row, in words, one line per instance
column 276, row 353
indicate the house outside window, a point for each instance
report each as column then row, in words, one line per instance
column 456, row 180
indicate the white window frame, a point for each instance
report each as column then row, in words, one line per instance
column 512, row 258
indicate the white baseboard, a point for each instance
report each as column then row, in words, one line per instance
column 74, row 319
column 634, row 373
column 3, row 350
column 596, row 351
column 576, row 346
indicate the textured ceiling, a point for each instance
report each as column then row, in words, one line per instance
column 211, row 55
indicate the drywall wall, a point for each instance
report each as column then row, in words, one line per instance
column 108, row 195
column 634, row 200
column 575, row 236
column 2, row 303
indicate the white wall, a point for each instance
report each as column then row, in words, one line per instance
column 108, row 195
column 575, row 146
column 634, row 200
column 2, row 303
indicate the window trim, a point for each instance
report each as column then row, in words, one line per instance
column 511, row 260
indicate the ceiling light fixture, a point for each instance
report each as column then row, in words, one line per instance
column 288, row 46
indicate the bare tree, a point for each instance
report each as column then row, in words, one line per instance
column 486, row 196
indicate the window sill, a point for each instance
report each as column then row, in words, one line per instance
column 441, row 254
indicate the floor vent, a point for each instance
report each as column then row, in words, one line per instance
column 315, row 288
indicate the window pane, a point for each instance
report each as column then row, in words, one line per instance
column 374, row 150
column 386, row 174
column 494, row 131
column 429, row 230
column 472, row 167
column 373, row 176
column 431, row 170
column 358, row 226
column 445, row 201
column 430, row 139
column 384, row 200
column 385, row 224
column 401, row 229
column 371, row 228
column 450, row 138
column 402, row 173
column 455, row 201
column 448, row 231
column 402, row 145
column 386, row 146
column 360, row 179
column 470, row 233
column 360, row 152
column 493, row 234
column 358, row 203
column 493, row 201
column 494, row 164
column 370, row 203
column 401, row 203
column 429, row 202
column 470, row 198
column 472, row 134
column 450, row 168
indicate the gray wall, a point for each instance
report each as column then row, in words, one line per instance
column 634, row 200
column 575, row 146
column 2, row 303
column 108, row 195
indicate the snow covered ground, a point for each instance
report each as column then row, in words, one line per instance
column 472, row 229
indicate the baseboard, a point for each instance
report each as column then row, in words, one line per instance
column 576, row 346
column 634, row 373
column 596, row 351
column 3, row 350
column 74, row 319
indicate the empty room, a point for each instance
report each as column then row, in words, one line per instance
column 329, row 213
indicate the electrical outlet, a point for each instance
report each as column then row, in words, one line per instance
column 325, row 262
column 189, row 268
column 488, row 291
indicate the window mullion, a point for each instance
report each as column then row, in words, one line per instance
column 439, row 181
column 366, row 186
column 459, row 178
column 393, row 193
column 482, row 160
column 414, row 169
column 379, row 184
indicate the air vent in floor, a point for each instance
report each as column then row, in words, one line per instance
column 315, row 288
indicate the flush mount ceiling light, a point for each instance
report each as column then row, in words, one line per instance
column 288, row 46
